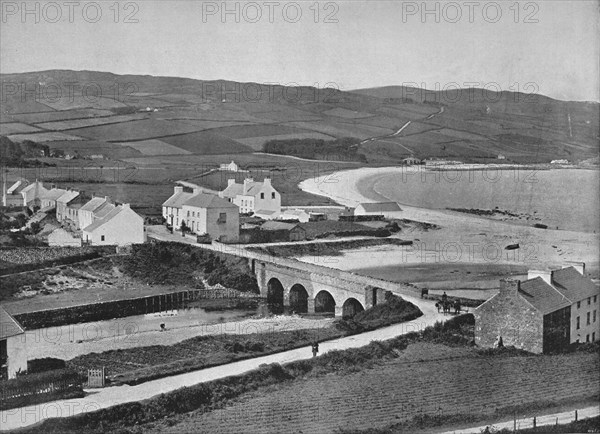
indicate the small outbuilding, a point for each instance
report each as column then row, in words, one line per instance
column 377, row 208
column 13, row 350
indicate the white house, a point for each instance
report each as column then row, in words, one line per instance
column 203, row 213
column 13, row 352
column 49, row 197
column 377, row 208
column 231, row 167
column 173, row 206
column 32, row 194
column 121, row 226
column 209, row 214
column 411, row 161
column 259, row 198
column 12, row 196
column 62, row 213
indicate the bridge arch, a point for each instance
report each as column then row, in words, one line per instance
column 324, row 302
column 298, row 299
column 351, row 307
column 275, row 294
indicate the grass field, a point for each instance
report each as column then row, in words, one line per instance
column 425, row 379
column 16, row 128
column 155, row 147
column 90, row 122
column 34, row 118
column 207, row 142
column 43, row 137
column 79, row 102
column 347, row 114
column 135, row 130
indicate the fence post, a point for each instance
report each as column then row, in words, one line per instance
column 534, row 422
column 575, row 415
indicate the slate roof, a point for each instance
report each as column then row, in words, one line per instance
column 177, row 200
column 104, row 209
column 8, row 325
column 542, row 296
column 380, row 206
column 234, row 189
column 101, row 221
column 68, row 196
column 205, row 200
column 54, row 194
column 571, row 284
column 93, row 204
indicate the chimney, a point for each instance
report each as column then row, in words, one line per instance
column 267, row 181
column 230, row 182
column 178, row 189
column 509, row 286
column 579, row 266
column 544, row 274
column 247, row 182
column 125, row 206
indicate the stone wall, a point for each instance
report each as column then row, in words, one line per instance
column 509, row 315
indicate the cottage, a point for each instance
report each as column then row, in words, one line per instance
column 282, row 231
column 11, row 196
column 229, row 167
column 49, row 197
column 411, row 161
column 13, row 351
column 63, row 213
column 254, row 197
column 550, row 310
column 214, row 216
column 32, row 194
column 377, row 208
column 120, row 226
column 202, row 213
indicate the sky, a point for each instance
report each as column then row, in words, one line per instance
column 549, row 47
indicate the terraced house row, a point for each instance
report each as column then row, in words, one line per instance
column 84, row 219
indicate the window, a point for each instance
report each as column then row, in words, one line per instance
column 262, row 195
column 101, row 237
column 595, row 298
column 188, row 213
column 589, row 300
column 594, row 337
column 222, row 218
column 587, row 338
column 588, row 318
column 273, row 195
column 577, row 323
column 578, row 304
column 594, row 316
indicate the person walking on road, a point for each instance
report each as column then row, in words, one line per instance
column 315, row 348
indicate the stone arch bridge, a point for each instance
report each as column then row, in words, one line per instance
column 308, row 288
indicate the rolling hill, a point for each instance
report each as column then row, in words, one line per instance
column 134, row 114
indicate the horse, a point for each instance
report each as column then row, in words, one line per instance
column 446, row 306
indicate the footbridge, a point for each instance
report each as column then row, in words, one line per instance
column 309, row 288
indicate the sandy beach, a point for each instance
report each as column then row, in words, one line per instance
column 461, row 239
